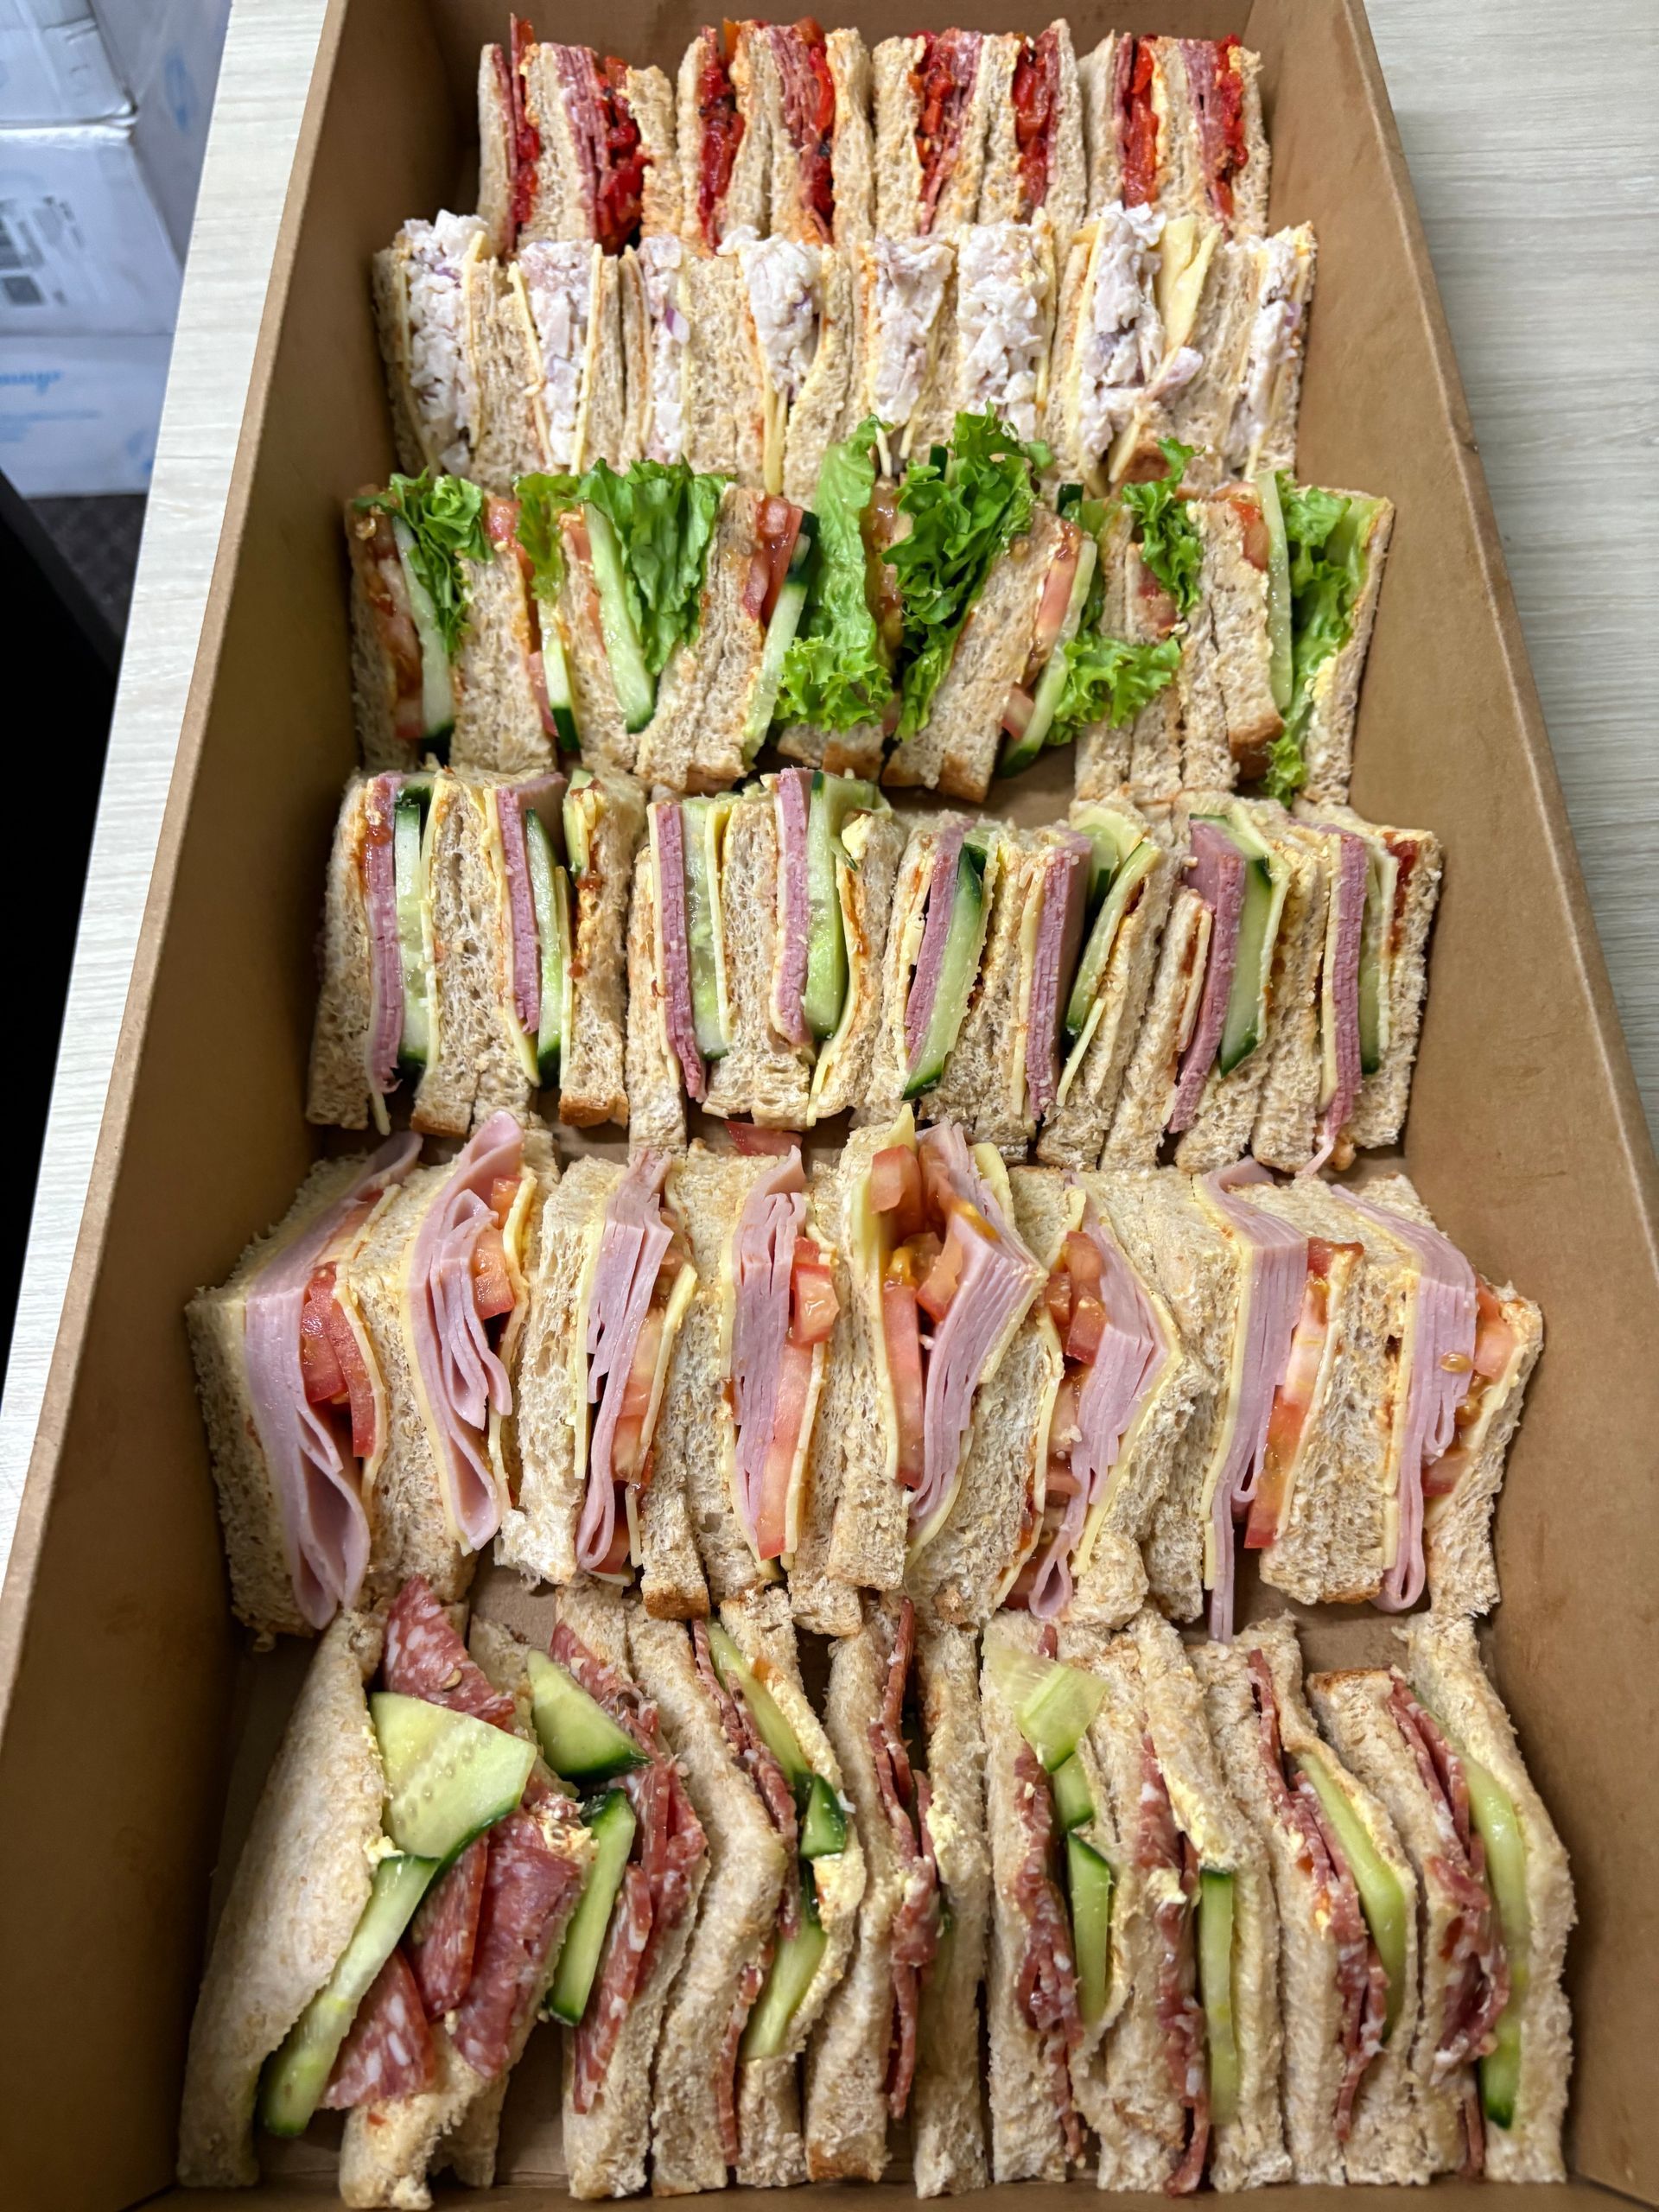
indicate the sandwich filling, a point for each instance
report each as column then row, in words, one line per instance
column 1117, row 1354
column 1062, row 910
column 721, row 124
column 1004, row 287
column 1303, row 1390
column 943, row 1249
column 808, row 111
column 1271, row 1274
column 1435, row 1366
column 318, row 1405
column 1168, row 1861
column 680, row 893
column 918, row 1928
column 1362, row 1978
column 394, row 862
column 560, row 282
column 1274, row 329
column 782, row 1309
column 521, row 141
column 540, row 647
column 942, row 82
column 407, row 546
column 654, row 1893
column 1241, row 880
column 910, row 279
column 1136, row 122
column 528, row 820
column 1215, row 84
column 661, row 260
column 1218, row 877
column 1477, row 1968
column 1036, row 96
column 641, row 1284
column 1496, row 1361
column 1124, row 359
column 605, row 141
column 1343, row 1050
column 442, row 374
column 464, row 1302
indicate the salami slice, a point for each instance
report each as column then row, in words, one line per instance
column 425, row 1658
column 444, row 1931
column 750, row 1982
column 529, row 1888
column 620, row 1974
column 388, row 2052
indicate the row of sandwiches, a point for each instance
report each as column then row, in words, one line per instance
column 1225, row 1919
column 930, row 623
column 780, row 130
column 1224, row 972
column 905, row 1370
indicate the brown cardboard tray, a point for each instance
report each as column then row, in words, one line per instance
column 128, row 1708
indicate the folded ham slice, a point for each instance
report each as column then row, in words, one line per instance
column 633, row 1241
column 1438, row 1357
column 998, row 1281
column 1129, row 1364
column 1059, row 939
column 1273, row 1267
column 1218, row 879
column 763, row 1259
column 385, row 1031
column 673, row 944
column 462, row 1373
column 792, row 800
column 930, row 961
column 512, row 804
column 317, row 1485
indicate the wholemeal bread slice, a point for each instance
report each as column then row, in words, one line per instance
column 1333, row 692
column 1444, row 1668
column 843, row 1436
column 312, row 1847
column 1286, row 1133
column 1146, row 1094
column 929, row 835
column 1097, row 94
column 982, row 1083
column 1275, row 275
column 1140, row 759
column 903, row 207
column 699, row 738
column 1228, row 716
column 871, row 844
column 712, row 78
column 499, row 723
column 433, row 288
column 593, row 1085
column 782, row 73
column 552, row 364
column 1005, row 193
column 656, row 1102
column 1381, row 2138
column 747, row 1867
column 1207, row 289
column 651, row 102
column 1190, row 70
column 761, row 1076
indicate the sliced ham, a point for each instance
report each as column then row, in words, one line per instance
column 929, row 960
column 378, row 870
column 1129, row 1363
column 1342, row 987
column 791, row 798
column 763, row 1259
column 462, row 1373
column 998, row 1281
column 513, row 803
column 318, row 1492
column 668, row 841
column 1439, row 1356
column 1218, row 877
column 633, row 1241
column 1059, row 940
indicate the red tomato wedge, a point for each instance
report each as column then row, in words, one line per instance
column 1290, row 1404
column 896, row 1188
column 617, row 1558
column 1088, row 1327
column 1494, row 1340
column 504, row 1189
column 627, row 1451
column 812, row 1290
column 492, row 1289
column 1057, row 1296
column 1081, row 1260
column 360, row 1388
column 752, row 1142
column 944, row 1278
column 904, row 1345
column 325, row 1385
column 1057, row 595
column 794, row 1385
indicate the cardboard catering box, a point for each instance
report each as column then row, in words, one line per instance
column 135, row 1730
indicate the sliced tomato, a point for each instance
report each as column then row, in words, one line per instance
column 896, row 1188
column 794, row 1387
column 1291, row 1402
column 943, row 1279
column 1057, row 595
column 491, row 1287
column 1060, row 1482
column 1494, row 1339
column 1088, row 1327
column 1057, row 1296
column 325, row 1385
column 503, row 1190
column 1062, row 1427
column 752, row 1142
column 1017, row 711
column 1082, row 1260
column 628, row 1448
column 1447, row 1471
column 777, row 527
column 616, row 1559
column 812, row 1290
column 902, row 1334
column 359, row 1386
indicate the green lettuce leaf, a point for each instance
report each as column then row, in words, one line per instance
column 1324, row 538
column 834, row 675
column 1287, row 770
column 664, row 517
column 966, row 504
column 1170, row 545
column 445, row 516
column 1110, row 680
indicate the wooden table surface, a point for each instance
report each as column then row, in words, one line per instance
column 1536, row 165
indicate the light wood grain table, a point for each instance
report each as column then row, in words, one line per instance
column 1536, row 166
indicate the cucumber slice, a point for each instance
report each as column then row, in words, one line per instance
column 1382, row 1897
column 297, row 2074
column 635, row 688
column 705, row 821
column 1052, row 683
column 1376, row 955
column 1053, row 1705
column 780, row 631
column 1216, row 1991
column 823, row 1824
column 779, row 1738
column 1074, row 1801
column 1281, row 666
column 1258, row 929
column 583, row 800
column 612, row 1824
column 793, row 1965
column 579, row 1739
column 555, row 681
column 1089, row 1885
column 834, row 798
column 437, row 689
column 550, row 893
column 448, row 1775
column 409, row 860
column 1506, row 1874
column 1103, row 936
column 957, row 973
